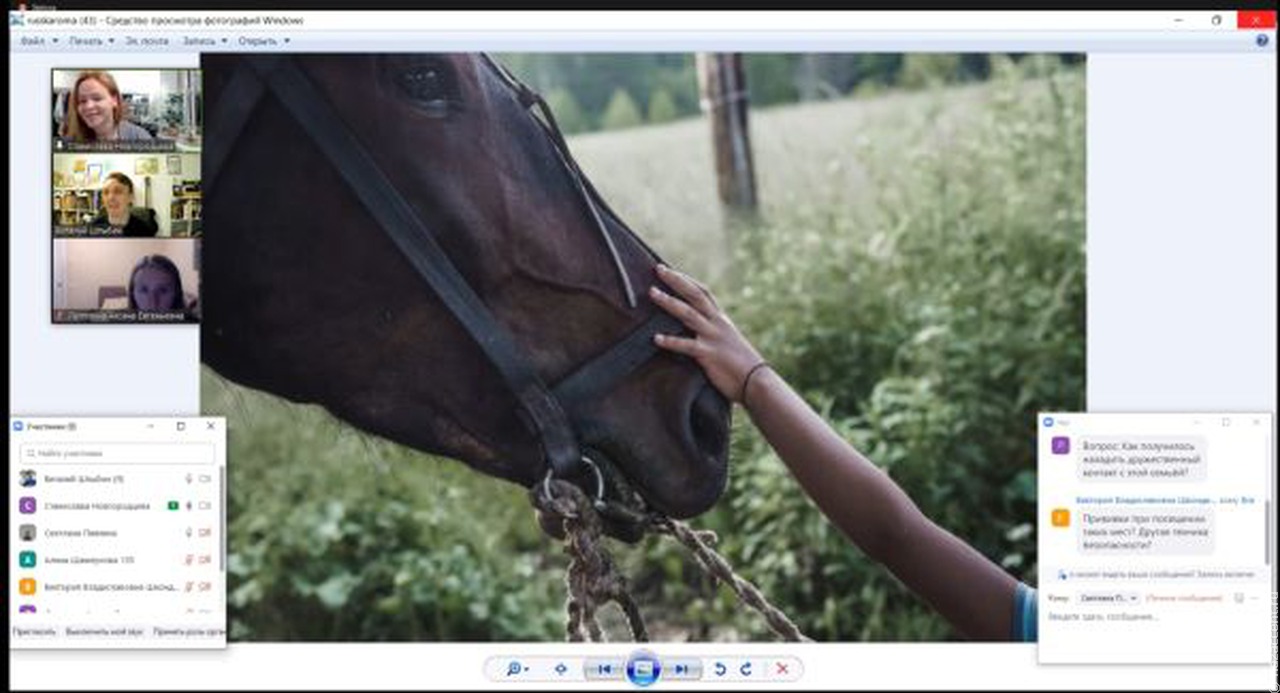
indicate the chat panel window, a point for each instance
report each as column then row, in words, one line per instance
column 117, row 533
column 1153, row 538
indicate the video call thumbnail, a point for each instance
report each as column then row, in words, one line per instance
column 126, row 280
column 126, row 165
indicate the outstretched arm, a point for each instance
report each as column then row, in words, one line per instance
column 970, row 591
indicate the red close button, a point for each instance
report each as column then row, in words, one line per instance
column 1256, row 19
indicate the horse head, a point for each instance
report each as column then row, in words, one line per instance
column 306, row 295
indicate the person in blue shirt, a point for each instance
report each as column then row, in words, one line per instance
column 981, row 600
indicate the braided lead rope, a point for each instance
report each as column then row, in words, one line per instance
column 699, row 543
column 592, row 579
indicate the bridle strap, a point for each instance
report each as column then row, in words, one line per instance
column 231, row 113
column 531, row 99
column 418, row 244
column 601, row 373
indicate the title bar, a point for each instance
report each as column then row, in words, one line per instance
column 639, row 21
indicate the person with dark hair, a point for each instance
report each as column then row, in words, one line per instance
column 97, row 113
column 156, row 285
column 118, row 214
column 978, row 598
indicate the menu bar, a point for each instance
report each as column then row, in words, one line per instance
column 359, row 40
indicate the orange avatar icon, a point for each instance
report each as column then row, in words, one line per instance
column 27, row 586
column 1061, row 517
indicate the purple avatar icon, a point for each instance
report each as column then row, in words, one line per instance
column 26, row 505
column 1061, row 445
column 27, row 609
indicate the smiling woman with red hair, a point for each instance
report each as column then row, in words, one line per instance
column 96, row 111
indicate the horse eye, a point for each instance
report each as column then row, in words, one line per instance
column 421, row 80
column 428, row 85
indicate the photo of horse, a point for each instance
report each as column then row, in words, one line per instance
column 427, row 315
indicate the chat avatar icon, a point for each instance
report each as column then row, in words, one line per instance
column 27, row 478
column 27, row 532
column 1060, row 517
column 27, row 609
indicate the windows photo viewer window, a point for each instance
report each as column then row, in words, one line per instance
column 333, row 357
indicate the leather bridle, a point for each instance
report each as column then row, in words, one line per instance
column 543, row 406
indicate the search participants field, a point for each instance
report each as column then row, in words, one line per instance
column 141, row 452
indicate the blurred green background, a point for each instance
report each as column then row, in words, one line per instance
column 917, row 272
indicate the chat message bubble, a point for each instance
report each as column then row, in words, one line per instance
column 1147, row 531
column 1142, row 458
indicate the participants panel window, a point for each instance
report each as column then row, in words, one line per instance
column 118, row 532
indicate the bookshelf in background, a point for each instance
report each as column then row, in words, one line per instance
column 184, row 210
column 76, row 206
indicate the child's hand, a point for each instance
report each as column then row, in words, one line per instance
column 718, row 346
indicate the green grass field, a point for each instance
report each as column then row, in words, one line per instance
column 919, row 276
column 809, row 158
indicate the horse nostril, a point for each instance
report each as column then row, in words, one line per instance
column 708, row 423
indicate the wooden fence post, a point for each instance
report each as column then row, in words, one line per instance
column 723, row 85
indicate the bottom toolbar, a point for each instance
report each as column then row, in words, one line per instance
column 643, row 668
